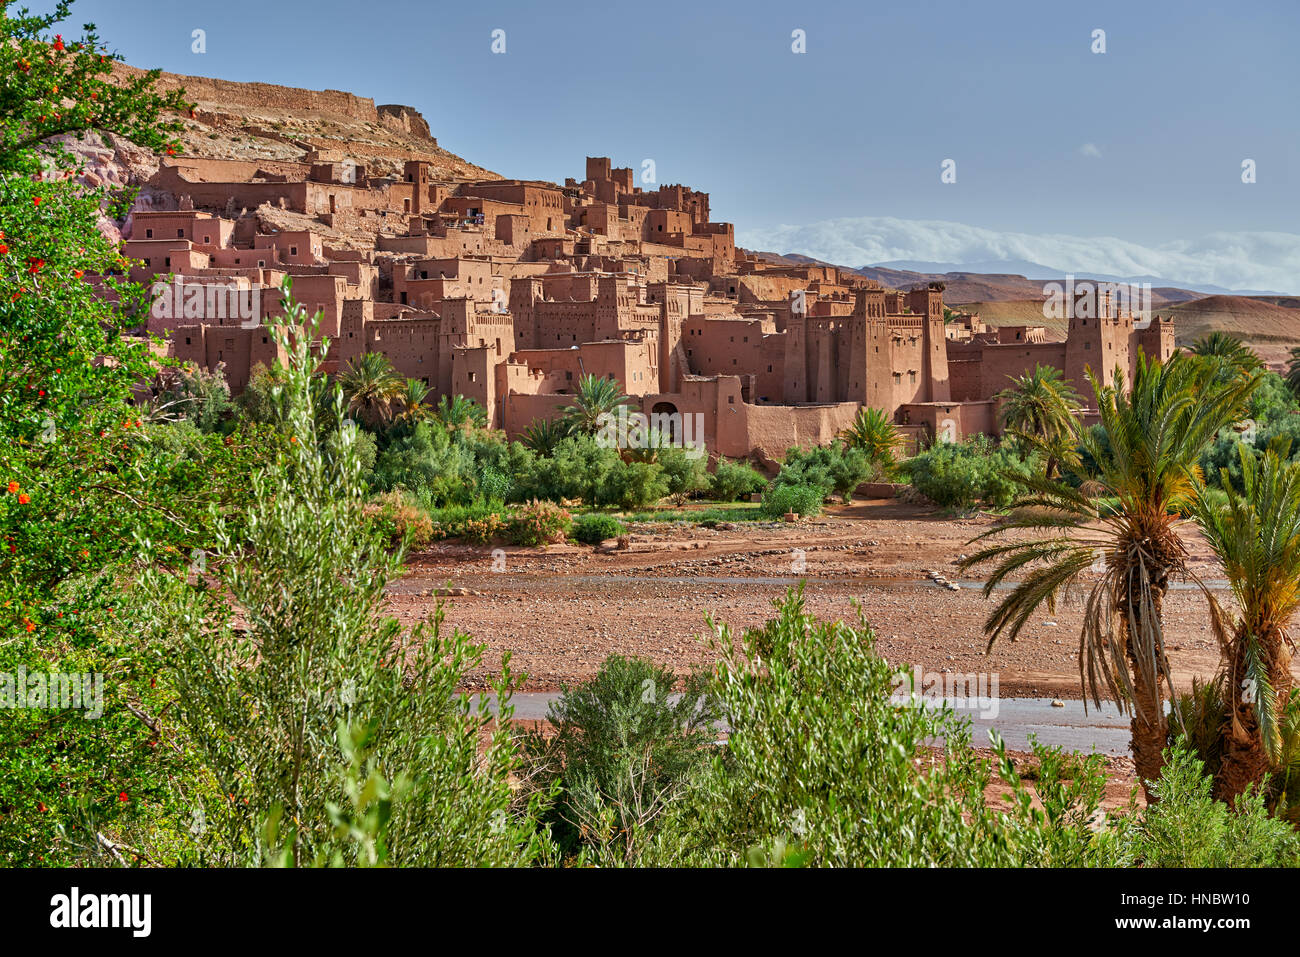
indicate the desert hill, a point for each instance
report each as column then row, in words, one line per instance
column 251, row 121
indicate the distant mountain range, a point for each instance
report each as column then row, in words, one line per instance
column 984, row 285
column 1003, row 294
column 1037, row 271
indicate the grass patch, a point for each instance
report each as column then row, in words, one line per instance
column 748, row 512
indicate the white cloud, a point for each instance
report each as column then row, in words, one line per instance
column 1090, row 149
column 1232, row 260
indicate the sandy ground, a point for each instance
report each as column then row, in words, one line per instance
column 562, row 609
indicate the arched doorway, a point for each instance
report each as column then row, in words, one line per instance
column 667, row 421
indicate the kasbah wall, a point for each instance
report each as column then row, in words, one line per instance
column 510, row 291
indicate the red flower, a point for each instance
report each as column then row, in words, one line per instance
column 4, row 250
column 27, row 622
column 123, row 798
column 34, row 265
column 36, row 200
column 24, row 499
column 40, row 806
column 78, row 273
column 58, row 42
column 13, row 488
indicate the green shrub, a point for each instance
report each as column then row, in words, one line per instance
column 1188, row 828
column 803, row 500
column 961, row 475
column 427, row 459
column 820, row 759
column 834, row 468
column 634, row 485
column 577, row 471
column 539, row 523
column 732, row 481
column 684, row 473
column 625, row 747
column 482, row 521
column 592, row 529
column 494, row 484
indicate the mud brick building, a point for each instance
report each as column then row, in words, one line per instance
column 510, row 291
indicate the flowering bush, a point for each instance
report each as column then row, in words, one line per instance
column 399, row 518
column 539, row 523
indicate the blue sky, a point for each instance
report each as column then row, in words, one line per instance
column 1127, row 162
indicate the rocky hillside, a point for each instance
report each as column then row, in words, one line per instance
column 261, row 121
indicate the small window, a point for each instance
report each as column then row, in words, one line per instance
column 207, row 240
column 148, row 234
column 180, row 234
column 293, row 250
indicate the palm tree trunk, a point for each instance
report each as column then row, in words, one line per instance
column 1245, row 758
column 1150, row 726
column 1150, row 730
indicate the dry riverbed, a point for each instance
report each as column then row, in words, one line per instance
column 562, row 609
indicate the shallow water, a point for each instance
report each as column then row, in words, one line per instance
column 1104, row 730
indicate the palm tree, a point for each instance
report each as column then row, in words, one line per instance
column 1146, row 473
column 370, row 385
column 596, row 397
column 458, row 412
column 543, row 435
column 1040, row 409
column 1293, row 371
column 411, row 401
column 1234, row 357
column 874, row 434
column 1256, row 537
